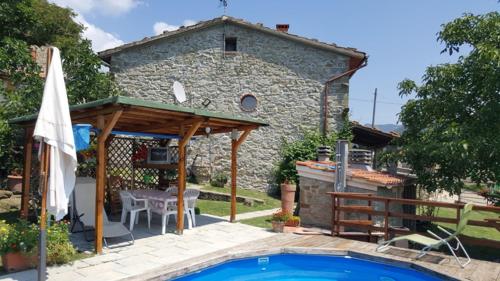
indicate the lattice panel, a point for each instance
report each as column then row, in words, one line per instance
column 121, row 172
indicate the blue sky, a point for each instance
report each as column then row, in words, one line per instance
column 399, row 36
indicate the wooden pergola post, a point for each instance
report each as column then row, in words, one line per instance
column 235, row 144
column 105, row 128
column 28, row 148
column 185, row 137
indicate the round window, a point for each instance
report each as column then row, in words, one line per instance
column 248, row 102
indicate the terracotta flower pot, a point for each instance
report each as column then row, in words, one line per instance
column 15, row 183
column 278, row 226
column 287, row 197
column 17, row 261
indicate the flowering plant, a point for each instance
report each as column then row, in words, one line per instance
column 293, row 221
column 22, row 236
column 141, row 154
column 18, row 237
column 281, row 216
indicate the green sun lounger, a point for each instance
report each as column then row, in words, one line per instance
column 435, row 243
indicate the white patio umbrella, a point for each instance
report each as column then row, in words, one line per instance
column 58, row 155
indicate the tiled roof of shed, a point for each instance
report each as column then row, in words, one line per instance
column 375, row 177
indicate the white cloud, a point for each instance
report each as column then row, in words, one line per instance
column 101, row 40
column 189, row 22
column 106, row 7
column 160, row 27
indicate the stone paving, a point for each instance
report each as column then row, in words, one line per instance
column 151, row 250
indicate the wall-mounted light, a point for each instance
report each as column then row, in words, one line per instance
column 206, row 103
column 235, row 134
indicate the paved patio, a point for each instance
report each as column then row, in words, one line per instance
column 159, row 257
column 150, row 251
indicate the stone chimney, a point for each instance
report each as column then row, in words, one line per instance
column 324, row 153
column 282, row 27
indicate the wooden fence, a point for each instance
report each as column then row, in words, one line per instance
column 339, row 207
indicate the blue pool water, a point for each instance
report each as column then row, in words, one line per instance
column 288, row 267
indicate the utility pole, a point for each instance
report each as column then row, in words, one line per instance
column 374, row 106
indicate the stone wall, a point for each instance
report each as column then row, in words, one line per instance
column 315, row 204
column 286, row 77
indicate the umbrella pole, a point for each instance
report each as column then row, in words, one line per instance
column 42, row 245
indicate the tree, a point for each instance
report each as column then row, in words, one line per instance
column 37, row 22
column 452, row 125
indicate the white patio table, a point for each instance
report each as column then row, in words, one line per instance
column 162, row 203
column 156, row 198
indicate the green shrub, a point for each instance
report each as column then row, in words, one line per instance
column 60, row 250
column 304, row 149
column 218, row 180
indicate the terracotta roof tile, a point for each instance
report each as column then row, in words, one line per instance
column 376, row 176
column 371, row 176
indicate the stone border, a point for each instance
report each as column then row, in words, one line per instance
column 200, row 263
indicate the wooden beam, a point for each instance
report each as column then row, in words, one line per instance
column 75, row 115
column 106, row 128
column 235, row 144
column 190, row 133
column 28, row 148
column 186, row 136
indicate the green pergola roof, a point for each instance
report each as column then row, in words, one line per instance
column 151, row 117
column 128, row 101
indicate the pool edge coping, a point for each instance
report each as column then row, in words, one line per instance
column 199, row 263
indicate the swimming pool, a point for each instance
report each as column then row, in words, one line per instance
column 302, row 267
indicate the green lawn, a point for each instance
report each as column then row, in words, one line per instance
column 221, row 208
column 473, row 231
column 264, row 222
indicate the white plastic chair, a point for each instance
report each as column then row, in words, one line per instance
column 134, row 206
column 172, row 190
column 190, row 197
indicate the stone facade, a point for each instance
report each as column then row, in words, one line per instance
column 315, row 204
column 286, row 77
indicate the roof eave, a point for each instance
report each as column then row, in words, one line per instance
column 106, row 54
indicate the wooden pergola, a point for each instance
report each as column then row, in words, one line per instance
column 134, row 115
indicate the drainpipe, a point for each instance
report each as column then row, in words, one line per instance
column 351, row 71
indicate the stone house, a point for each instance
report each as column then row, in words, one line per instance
column 246, row 69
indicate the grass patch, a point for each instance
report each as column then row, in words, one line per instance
column 472, row 231
column 263, row 222
column 222, row 208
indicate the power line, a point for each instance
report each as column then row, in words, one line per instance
column 378, row 101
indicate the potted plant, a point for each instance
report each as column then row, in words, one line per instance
column 279, row 219
column 15, row 180
column 288, row 188
column 294, row 221
column 17, row 242
column 218, row 180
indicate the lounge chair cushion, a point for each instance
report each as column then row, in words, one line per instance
column 417, row 238
column 114, row 229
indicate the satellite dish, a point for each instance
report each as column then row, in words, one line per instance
column 179, row 92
